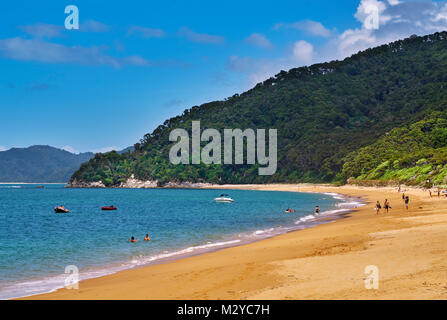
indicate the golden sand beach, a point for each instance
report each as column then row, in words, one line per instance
column 328, row 261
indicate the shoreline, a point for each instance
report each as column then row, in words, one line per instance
column 212, row 265
column 342, row 206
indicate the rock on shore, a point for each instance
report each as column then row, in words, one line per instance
column 133, row 183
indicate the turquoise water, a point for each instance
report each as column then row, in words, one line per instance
column 36, row 244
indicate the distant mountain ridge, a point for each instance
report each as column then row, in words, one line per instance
column 39, row 164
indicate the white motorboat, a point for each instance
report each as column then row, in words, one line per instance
column 224, row 198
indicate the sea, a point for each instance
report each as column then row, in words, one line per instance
column 40, row 250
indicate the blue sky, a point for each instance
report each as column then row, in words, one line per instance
column 133, row 64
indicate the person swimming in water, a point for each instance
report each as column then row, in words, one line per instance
column 132, row 239
column 317, row 209
column 146, row 238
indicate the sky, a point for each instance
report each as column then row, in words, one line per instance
column 133, row 64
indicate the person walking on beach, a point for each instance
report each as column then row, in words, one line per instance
column 378, row 207
column 429, row 191
column 407, row 200
column 439, row 192
column 386, row 205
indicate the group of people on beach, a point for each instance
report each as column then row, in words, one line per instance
column 387, row 205
column 146, row 238
column 437, row 191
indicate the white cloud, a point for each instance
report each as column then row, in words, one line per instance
column 314, row 28
column 393, row 2
column 366, row 7
column 70, row 149
column 146, row 32
column 259, row 40
column 441, row 15
column 397, row 20
column 93, row 26
column 43, row 30
column 303, row 52
column 187, row 33
column 258, row 70
column 49, row 52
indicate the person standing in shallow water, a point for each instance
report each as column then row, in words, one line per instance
column 386, row 205
column 317, row 209
column 378, row 207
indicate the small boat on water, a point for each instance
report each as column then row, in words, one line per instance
column 109, row 208
column 224, row 198
column 61, row 209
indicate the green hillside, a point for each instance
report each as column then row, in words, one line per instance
column 324, row 113
column 415, row 155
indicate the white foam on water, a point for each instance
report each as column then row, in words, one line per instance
column 51, row 284
column 305, row 218
column 335, row 195
column 141, row 260
column 259, row 232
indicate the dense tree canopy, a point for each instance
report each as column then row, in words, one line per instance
column 324, row 113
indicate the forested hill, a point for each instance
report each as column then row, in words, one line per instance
column 39, row 164
column 323, row 113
